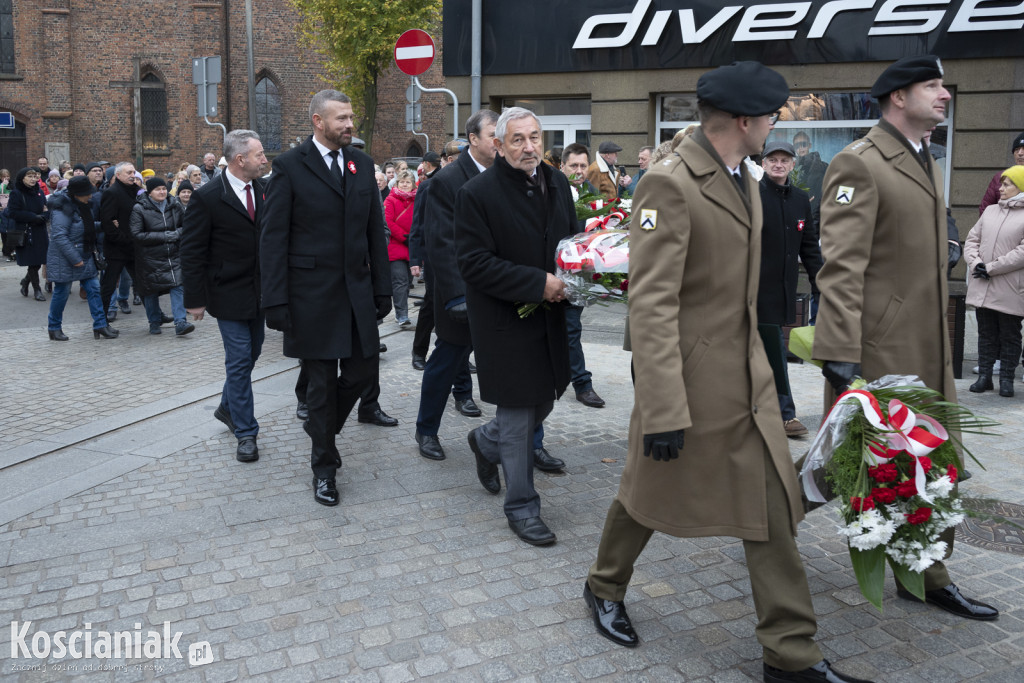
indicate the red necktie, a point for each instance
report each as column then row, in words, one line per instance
column 249, row 206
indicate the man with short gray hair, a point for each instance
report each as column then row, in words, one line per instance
column 325, row 273
column 508, row 222
column 220, row 268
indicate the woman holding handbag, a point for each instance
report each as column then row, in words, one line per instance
column 71, row 256
column 398, row 216
column 27, row 208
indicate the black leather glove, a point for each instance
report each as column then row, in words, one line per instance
column 981, row 271
column 459, row 313
column 278, row 318
column 664, row 446
column 383, row 304
column 955, row 252
column 840, row 374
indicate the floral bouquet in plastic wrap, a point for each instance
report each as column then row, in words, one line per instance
column 889, row 451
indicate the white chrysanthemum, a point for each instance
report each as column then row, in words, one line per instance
column 869, row 530
column 941, row 487
column 626, row 204
column 575, row 193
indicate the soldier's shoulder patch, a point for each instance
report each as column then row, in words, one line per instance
column 648, row 219
column 844, row 195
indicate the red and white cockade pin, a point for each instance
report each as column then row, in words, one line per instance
column 799, row 225
column 352, row 167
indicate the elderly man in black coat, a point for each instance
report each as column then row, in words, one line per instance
column 221, row 270
column 325, row 273
column 447, row 369
column 789, row 231
column 115, row 221
column 508, row 222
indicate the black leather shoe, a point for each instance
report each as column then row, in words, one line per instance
column 418, row 362
column 485, row 470
column 166, row 319
column 953, row 601
column 532, row 530
column 58, row 335
column 430, row 447
column 469, row 408
column 964, row 475
column 611, row 619
column 107, row 332
column 24, row 287
column 379, row 418
column 544, row 461
column 822, row 672
column 224, row 416
column 247, row 450
column 325, row 491
column 590, row 398
column 383, row 348
column 302, row 411
column 1005, row 386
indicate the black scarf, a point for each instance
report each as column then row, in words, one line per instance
column 85, row 211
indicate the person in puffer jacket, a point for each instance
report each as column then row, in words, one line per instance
column 156, row 230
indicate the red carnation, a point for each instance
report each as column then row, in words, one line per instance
column 952, row 473
column 920, row 516
column 926, row 462
column 596, row 277
column 625, row 287
column 884, row 496
column 907, row 489
column 885, row 473
column 862, row 504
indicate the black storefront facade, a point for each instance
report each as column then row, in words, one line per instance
column 626, row 70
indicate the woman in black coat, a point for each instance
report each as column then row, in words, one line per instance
column 27, row 207
column 156, row 229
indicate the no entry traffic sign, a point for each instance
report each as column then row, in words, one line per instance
column 414, row 52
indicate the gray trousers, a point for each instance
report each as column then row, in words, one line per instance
column 509, row 438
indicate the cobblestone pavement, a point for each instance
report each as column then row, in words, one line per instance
column 122, row 504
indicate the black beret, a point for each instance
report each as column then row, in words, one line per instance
column 79, row 186
column 1017, row 142
column 744, row 89
column 907, row 71
column 155, row 182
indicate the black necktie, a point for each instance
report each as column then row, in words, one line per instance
column 739, row 183
column 923, row 156
column 336, row 170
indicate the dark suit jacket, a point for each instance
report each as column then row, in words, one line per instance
column 506, row 233
column 323, row 253
column 220, row 251
column 439, row 239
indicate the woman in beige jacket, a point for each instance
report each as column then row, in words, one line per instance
column 995, row 259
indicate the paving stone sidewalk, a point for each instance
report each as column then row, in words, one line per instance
column 415, row 575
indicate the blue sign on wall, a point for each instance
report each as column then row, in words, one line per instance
column 6, row 119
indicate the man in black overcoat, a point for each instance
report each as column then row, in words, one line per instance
column 325, row 273
column 447, row 369
column 115, row 216
column 508, row 222
column 221, row 272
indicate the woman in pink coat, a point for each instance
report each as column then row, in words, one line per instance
column 398, row 214
column 995, row 259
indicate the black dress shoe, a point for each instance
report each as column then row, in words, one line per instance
column 485, row 470
column 418, row 362
column 166, row 319
column 611, row 619
column 822, row 672
column 953, row 601
column 544, row 461
column 383, row 348
column 430, row 447
column 468, row 407
column 325, row 491
column 58, row 335
column 107, row 332
column 224, row 416
column 24, row 287
column 247, row 450
column 590, row 398
column 964, row 475
column 302, row 411
column 379, row 418
column 532, row 530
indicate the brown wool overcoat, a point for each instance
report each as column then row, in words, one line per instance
column 700, row 364
column 883, row 285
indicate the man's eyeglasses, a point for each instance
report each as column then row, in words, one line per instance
column 772, row 118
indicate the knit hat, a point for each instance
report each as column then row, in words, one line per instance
column 79, row 167
column 155, row 182
column 185, row 185
column 1017, row 142
column 1016, row 176
column 148, row 173
column 79, row 186
column 62, row 183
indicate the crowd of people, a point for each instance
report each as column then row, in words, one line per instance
column 325, row 246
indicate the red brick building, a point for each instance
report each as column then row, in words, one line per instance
column 68, row 69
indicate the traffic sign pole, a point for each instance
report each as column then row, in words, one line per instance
column 414, row 53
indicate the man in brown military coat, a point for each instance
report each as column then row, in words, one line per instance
column 702, row 373
column 883, row 285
